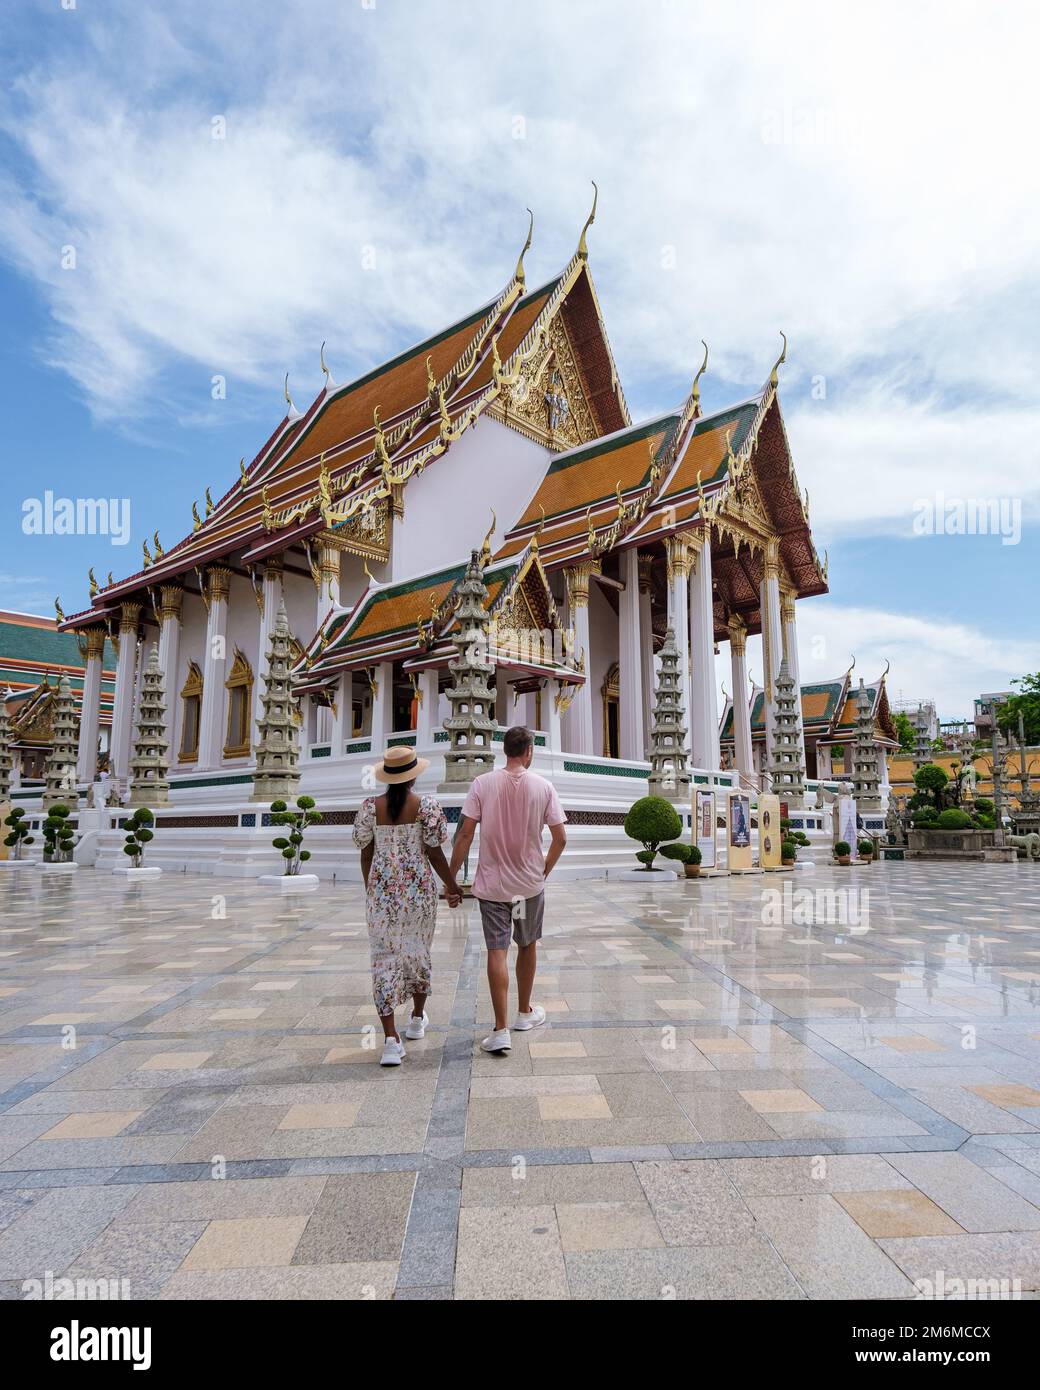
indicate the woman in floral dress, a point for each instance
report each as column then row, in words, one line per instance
column 400, row 836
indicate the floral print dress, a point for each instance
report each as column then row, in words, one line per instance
column 401, row 904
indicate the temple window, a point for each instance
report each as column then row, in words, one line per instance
column 239, row 686
column 610, row 691
column 191, row 702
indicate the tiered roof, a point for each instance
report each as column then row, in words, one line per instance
column 829, row 711
column 34, row 655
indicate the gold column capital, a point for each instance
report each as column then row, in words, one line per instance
column 95, row 642
column 646, row 569
column 171, row 600
column 218, row 582
column 274, row 566
column 577, row 578
column 129, row 616
column 772, row 559
column 737, row 634
column 787, row 606
column 679, row 555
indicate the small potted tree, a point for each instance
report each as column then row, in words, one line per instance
column 843, row 852
column 651, row 821
column 17, row 836
column 681, row 853
column 788, row 853
column 139, row 832
column 58, row 840
column 295, row 821
column 866, row 850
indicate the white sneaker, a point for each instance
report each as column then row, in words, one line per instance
column 393, row 1053
column 532, row 1020
column 498, row 1041
column 417, row 1027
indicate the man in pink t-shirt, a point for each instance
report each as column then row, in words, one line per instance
column 512, row 805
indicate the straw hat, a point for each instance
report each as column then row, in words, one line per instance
column 400, row 765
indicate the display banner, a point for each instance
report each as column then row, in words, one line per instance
column 847, row 821
column 704, row 827
column 738, row 831
column 769, row 835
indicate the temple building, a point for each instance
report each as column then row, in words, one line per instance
column 503, row 441
column 34, row 655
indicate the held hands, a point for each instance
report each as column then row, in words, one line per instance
column 453, row 894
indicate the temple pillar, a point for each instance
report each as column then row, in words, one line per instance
column 646, row 646
column 551, row 716
column 772, row 637
column 790, row 652
column 340, row 712
column 211, row 715
column 428, row 721
column 328, row 596
column 90, row 707
column 381, row 724
column 631, row 706
column 679, row 557
column 170, row 622
column 743, row 755
column 269, row 598
column 123, row 709
column 704, row 715
column 579, row 717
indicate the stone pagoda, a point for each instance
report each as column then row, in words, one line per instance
column 866, row 779
column 786, row 764
column 669, row 772
column 922, row 751
column 277, row 752
column 6, row 760
column 148, row 766
column 469, row 725
column 61, row 760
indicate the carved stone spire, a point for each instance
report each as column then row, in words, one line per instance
column 469, row 725
column 277, row 752
column 669, row 773
column 61, row 760
column 149, row 765
column 865, row 775
column 786, row 768
column 6, row 759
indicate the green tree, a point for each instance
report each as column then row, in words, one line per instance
column 905, row 732
column 1025, row 702
column 291, row 844
column 931, row 778
column 651, row 820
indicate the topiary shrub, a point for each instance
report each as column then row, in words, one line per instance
column 788, row 851
column 931, row 778
column 17, row 832
column 953, row 819
column 985, row 806
column 986, row 822
column 866, row 849
column 678, row 851
column 297, row 820
column 652, row 820
column 58, row 836
column 695, row 854
column 842, row 849
column 138, row 833
column 924, row 817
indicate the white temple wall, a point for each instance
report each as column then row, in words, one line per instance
column 301, row 606
column 353, row 581
column 243, row 632
column 490, row 466
column 192, row 647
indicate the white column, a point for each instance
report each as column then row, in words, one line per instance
column 382, row 707
column 551, row 716
column 678, row 552
column 579, row 716
column 704, row 722
column 630, row 679
column 790, row 649
column 328, row 594
column 646, row 647
column 772, row 636
column 170, row 623
column 271, row 594
column 211, row 717
column 743, row 756
column 428, row 721
column 341, row 712
column 90, row 707
column 123, row 710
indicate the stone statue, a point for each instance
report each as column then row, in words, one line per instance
column 1028, row 846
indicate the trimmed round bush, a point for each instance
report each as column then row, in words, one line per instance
column 677, row 851
column 651, row 820
column 695, row 854
column 953, row 818
column 788, row 850
column 841, row 849
column 646, row 856
column 866, row 849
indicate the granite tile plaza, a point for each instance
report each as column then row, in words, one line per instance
column 715, row 1109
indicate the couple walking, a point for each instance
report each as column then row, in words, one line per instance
column 400, row 836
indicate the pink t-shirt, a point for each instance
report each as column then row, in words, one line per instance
column 512, row 808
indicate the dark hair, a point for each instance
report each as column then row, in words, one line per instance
column 396, row 796
column 517, row 741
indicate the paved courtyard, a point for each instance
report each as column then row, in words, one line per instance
column 728, row 1101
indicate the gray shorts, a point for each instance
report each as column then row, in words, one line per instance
column 521, row 918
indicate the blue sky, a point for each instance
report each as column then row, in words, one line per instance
column 760, row 167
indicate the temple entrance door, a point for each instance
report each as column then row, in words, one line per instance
column 610, row 692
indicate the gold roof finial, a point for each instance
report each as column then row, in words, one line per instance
column 145, row 553
column 58, row 610
column 288, row 398
column 324, row 365
column 159, row 552
column 538, row 531
column 485, row 548
column 695, row 390
column 94, row 588
column 196, row 520
column 379, row 443
column 620, row 500
column 774, row 379
column 884, row 673
column 266, row 514
column 730, row 456
column 111, row 581
column 700, row 493
column 519, row 273
column 210, row 504
column 431, row 380
column 583, row 246
column 370, row 576
column 243, row 471
column 591, row 529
